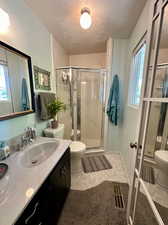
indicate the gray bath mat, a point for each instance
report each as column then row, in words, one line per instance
column 148, row 174
column 95, row 163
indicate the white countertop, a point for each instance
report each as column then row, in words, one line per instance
column 25, row 182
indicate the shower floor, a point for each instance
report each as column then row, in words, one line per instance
column 90, row 143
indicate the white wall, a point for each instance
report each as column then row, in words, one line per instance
column 26, row 33
column 30, row 36
column 61, row 57
column 131, row 115
column 119, row 137
column 93, row 60
column 109, row 60
column 119, row 67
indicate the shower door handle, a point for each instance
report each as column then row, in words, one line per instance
column 135, row 145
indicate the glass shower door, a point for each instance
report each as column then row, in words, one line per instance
column 83, row 91
column 91, row 105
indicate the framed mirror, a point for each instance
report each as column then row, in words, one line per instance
column 16, row 83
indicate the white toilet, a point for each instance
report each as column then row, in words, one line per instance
column 77, row 148
column 77, row 151
column 161, row 158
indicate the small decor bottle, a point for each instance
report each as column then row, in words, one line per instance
column 7, row 151
column 4, row 150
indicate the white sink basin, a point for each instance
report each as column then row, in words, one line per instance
column 38, row 153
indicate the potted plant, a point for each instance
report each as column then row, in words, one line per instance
column 54, row 108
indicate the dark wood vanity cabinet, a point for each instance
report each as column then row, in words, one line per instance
column 46, row 206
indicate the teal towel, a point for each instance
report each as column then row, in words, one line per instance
column 113, row 102
column 25, row 104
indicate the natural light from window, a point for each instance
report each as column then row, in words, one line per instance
column 137, row 76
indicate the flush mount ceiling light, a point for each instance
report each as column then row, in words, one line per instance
column 4, row 21
column 85, row 18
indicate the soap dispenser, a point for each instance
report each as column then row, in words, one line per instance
column 4, row 150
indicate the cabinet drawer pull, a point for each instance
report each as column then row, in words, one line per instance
column 63, row 171
column 33, row 213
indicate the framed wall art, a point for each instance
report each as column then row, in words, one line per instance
column 42, row 79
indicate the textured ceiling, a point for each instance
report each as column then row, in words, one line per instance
column 115, row 18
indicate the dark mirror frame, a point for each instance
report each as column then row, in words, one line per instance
column 17, row 114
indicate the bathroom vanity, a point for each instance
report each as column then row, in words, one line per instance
column 46, row 205
column 36, row 184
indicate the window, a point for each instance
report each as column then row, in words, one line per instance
column 137, row 76
column 3, row 83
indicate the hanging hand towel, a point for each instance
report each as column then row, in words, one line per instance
column 44, row 99
column 25, row 103
column 113, row 102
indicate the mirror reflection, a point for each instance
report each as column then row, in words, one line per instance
column 153, row 46
column 15, row 91
column 160, row 89
column 155, row 167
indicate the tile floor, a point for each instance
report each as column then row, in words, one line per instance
column 83, row 181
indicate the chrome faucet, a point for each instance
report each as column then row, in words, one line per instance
column 24, row 141
column 28, row 137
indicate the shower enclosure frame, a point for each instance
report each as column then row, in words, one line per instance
column 73, row 98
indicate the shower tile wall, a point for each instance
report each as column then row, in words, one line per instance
column 91, row 109
column 63, row 92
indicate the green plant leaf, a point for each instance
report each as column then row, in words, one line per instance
column 55, row 107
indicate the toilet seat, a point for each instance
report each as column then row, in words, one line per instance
column 77, row 146
column 161, row 158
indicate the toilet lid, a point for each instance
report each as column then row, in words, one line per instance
column 162, row 154
column 77, row 146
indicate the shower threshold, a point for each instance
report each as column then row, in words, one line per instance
column 94, row 150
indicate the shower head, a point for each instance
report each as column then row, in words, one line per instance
column 65, row 77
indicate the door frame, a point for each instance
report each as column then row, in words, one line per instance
column 147, row 101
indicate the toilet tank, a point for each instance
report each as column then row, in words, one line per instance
column 55, row 133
